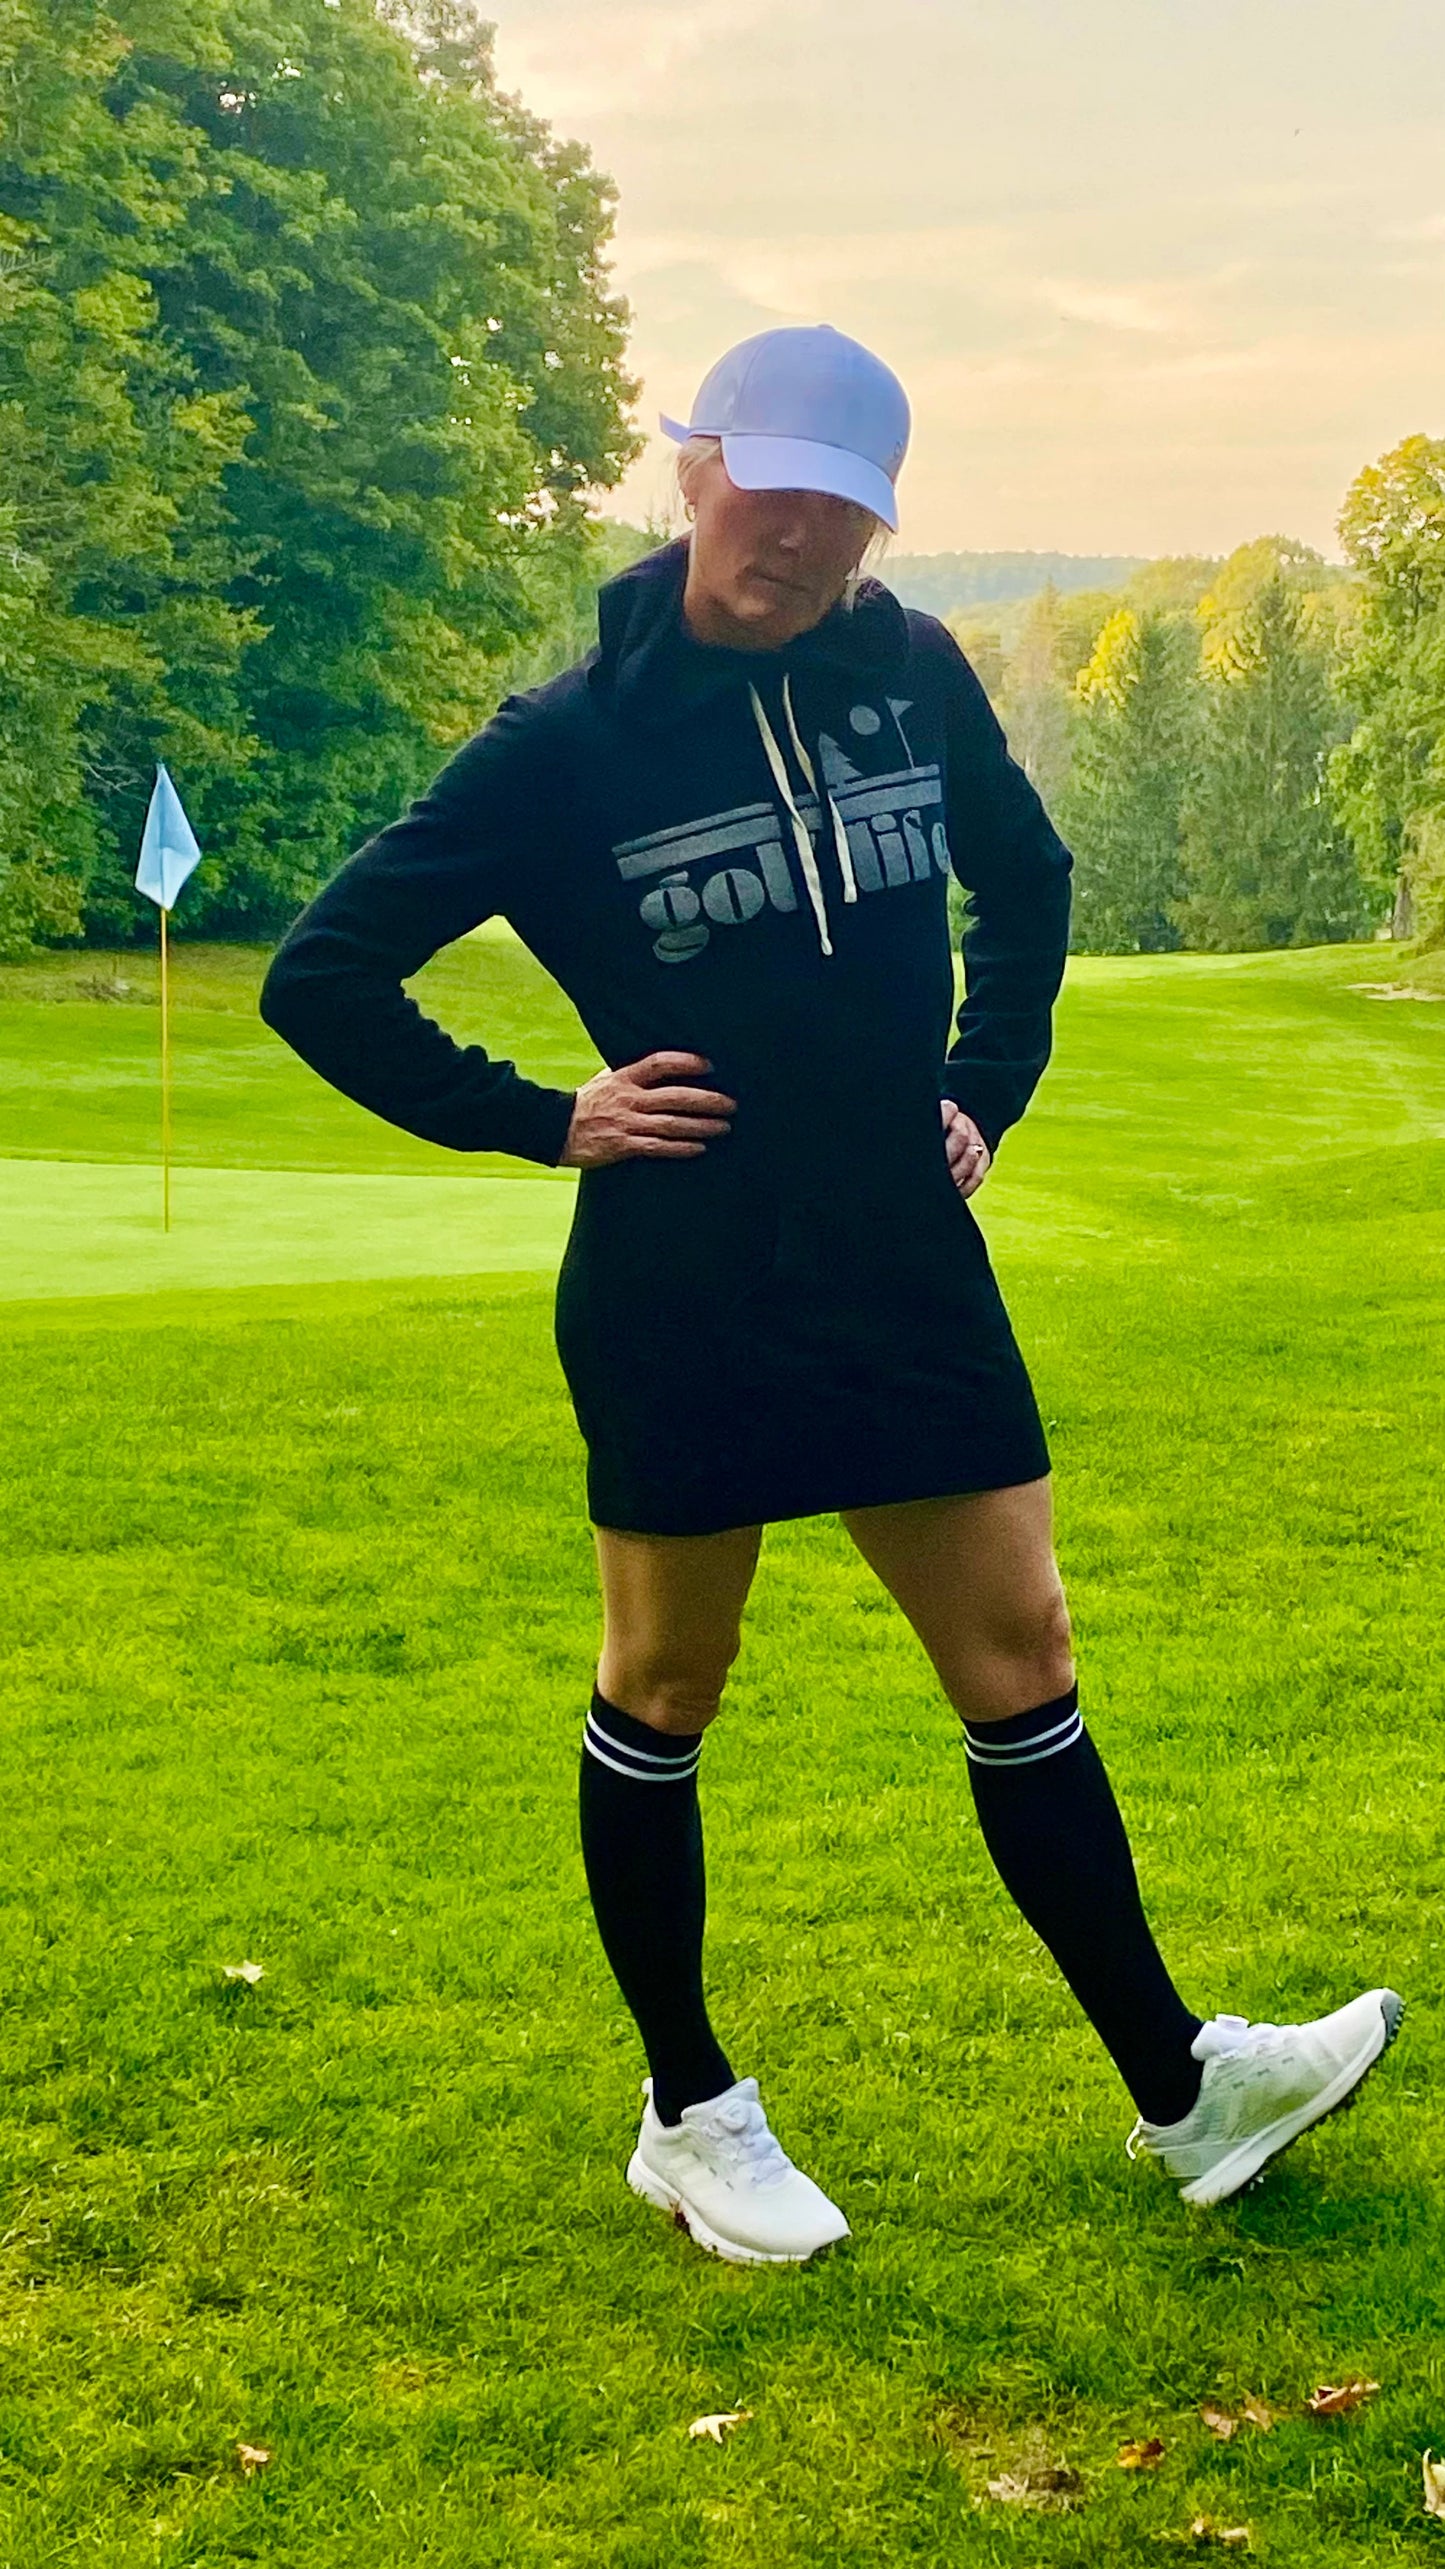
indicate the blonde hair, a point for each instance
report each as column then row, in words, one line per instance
column 697, row 450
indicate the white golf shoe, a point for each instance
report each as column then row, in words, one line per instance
column 1264, row 2085
column 724, row 2178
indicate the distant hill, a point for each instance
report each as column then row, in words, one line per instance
column 941, row 583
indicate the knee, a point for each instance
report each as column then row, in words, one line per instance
column 675, row 1701
column 1028, row 1660
column 1053, row 1641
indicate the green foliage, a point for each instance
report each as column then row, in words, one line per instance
column 1078, row 622
column 567, row 598
column 1172, row 585
column 1427, row 880
column 1323, row 591
column 42, row 804
column 1121, row 811
column 308, row 363
column 1182, row 728
column 982, row 645
column 1034, row 701
column 1389, row 777
column 1265, row 863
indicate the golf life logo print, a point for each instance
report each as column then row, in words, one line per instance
column 889, row 839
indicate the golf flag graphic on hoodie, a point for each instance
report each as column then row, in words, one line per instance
column 168, row 858
column 168, row 851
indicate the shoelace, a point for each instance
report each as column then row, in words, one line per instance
column 1230, row 2037
column 802, row 839
column 743, row 2131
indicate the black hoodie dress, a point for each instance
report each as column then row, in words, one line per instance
column 743, row 855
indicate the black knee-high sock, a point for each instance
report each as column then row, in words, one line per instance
column 642, row 1849
column 1052, row 1826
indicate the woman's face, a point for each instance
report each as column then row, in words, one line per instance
column 765, row 565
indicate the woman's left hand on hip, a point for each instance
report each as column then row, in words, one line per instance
column 969, row 1157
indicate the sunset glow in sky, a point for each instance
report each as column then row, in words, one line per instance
column 1157, row 277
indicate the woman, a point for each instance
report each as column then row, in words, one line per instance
column 728, row 835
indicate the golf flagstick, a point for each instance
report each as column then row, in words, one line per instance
column 165, row 1081
column 168, row 857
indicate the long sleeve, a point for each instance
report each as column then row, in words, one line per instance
column 334, row 989
column 1016, row 869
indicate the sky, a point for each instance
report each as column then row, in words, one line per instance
column 1158, row 275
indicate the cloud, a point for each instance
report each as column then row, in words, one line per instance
column 1153, row 278
column 1104, row 307
column 576, row 66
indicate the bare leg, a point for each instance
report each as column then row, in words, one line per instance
column 672, row 1620
column 977, row 1580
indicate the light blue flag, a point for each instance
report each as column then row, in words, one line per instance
column 168, row 851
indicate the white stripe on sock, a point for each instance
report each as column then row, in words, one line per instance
column 642, row 1775
column 644, row 1756
column 654, row 1771
column 1027, row 1752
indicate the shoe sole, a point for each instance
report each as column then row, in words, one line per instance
column 645, row 2182
column 1235, row 2171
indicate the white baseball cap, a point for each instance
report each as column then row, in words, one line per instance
column 805, row 410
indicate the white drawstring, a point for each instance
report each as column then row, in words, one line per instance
column 806, row 858
column 840, row 835
column 805, row 845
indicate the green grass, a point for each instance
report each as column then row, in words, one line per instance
column 300, row 1623
column 71, row 1227
column 79, row 1079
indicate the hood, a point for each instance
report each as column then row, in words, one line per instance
column 655, row 673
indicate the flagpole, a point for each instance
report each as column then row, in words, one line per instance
column 165, row 1082
column 168, row 857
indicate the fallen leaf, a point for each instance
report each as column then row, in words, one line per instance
column 1233, row 2537
column 1048, row 2486
column 1434, row 2487
column 1218, row 2421
column 253, row 2458
column 720, row 2423
column 1257, row 2414
column 1011, row 2491
column 1337, row 2401
column 1145, row 2456
column 250, row 1972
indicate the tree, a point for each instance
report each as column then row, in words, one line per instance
column 1134, row 751
column 307, row 364
column 1172, row 585
column 1078, row 624
column 1265, row 863
column 107, row 560
column 1034, row 702
column 1388, row 778
column 1325, row 592
column 982, row 646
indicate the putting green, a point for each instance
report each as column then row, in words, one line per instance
column 75, row 1228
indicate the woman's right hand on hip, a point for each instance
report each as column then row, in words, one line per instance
column 632, row 1114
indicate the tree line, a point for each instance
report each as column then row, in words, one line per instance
column 1248, row 752
column 307, row 365
column 944, row 583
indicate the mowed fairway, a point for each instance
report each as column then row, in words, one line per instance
column 300, row 1625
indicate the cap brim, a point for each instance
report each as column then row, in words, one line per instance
column 797, row 464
